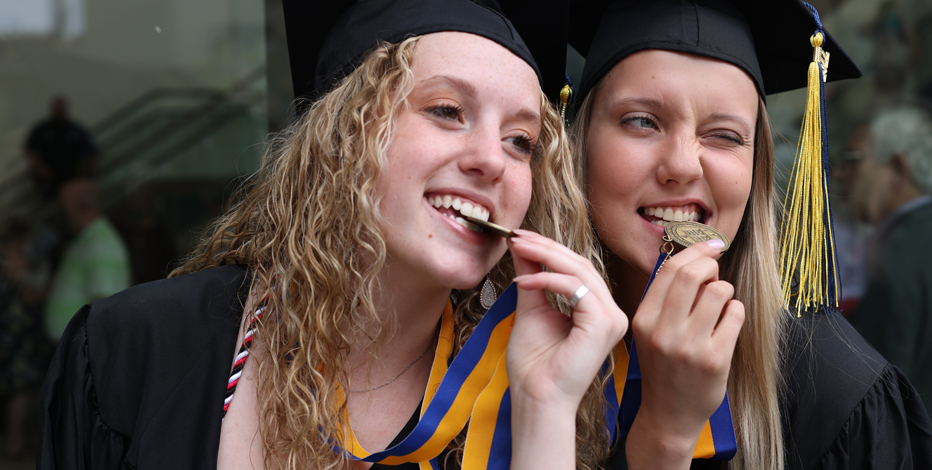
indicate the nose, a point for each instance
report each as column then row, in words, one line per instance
column 484, row 157
column 681, row 163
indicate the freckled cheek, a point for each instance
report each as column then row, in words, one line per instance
column 517, row 196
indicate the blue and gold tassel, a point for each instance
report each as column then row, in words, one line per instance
column 808, row 266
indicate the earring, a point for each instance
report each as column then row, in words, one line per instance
column 487, row 295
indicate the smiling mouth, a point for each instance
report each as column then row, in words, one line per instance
column 662, row 216
column 456, row 208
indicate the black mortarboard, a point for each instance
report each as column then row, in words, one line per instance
column 327, row 39
column 767, row 39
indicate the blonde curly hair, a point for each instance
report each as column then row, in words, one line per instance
column 308, row 227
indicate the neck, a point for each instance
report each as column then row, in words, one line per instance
column 410, row 311
column 84, row 220
column 903, row 195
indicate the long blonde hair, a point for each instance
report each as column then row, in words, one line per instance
column 756, row 379
column 308, row 226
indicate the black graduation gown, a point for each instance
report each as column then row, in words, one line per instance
column 138, row 382
column 844, row 405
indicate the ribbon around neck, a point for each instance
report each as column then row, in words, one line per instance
column 716, row 441
column 474, row 388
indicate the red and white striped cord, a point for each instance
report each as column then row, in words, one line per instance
column 241, row 360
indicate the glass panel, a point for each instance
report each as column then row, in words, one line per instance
column 173, row 97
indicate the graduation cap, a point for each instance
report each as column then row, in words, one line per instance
column 782, row 45
column 769, row 39
column 326, row 40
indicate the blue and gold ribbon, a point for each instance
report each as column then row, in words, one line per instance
column 474, row 385
column 717, row 440
column 474, row 389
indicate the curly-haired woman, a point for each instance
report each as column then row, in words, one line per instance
column 345, row 277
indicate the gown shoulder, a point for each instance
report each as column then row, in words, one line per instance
column 845, row 406
column 140, row 376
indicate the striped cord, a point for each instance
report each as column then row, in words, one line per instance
column 241, row 360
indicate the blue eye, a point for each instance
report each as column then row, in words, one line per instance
column 643, row 122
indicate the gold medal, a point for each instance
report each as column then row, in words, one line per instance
column 492, row 228
column 688, row 233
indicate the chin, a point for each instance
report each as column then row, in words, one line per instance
column 463, row 275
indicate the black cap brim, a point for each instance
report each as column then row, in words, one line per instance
column 541, row 25
column 780, row 29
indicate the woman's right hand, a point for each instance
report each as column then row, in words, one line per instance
column 685, row 330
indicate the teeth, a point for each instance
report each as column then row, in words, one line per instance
column 466, row 209
column 467, row 224
column 670, row 214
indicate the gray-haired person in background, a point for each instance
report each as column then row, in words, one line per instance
column 892, row 192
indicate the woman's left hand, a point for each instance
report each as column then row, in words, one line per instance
column 552, row 358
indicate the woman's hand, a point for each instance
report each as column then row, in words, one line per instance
column 685, row 330
column 552, row 358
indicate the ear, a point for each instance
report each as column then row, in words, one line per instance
column 900, row 166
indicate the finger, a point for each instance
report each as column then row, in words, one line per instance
column 523, row 265
column 597, row 315
column 563, row 284
column 565, row 259
column 557, row 258
column 684, row 289
column 710, row 303
column 729, row 326
column 659, row 290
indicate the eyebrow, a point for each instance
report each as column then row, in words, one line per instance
column 733, row 118
column 655, row 103
column 463, row 85
column 643, row 101
column 526, row 114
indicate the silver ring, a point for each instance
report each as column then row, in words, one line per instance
column 580, row 293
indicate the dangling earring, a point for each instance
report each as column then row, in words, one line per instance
column 487, row 296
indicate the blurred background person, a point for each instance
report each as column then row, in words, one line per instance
column 893, row 193
column 94, row 265
column 851, row 231
column 24, row 349
column 58, row 149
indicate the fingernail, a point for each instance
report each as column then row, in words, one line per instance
column 520, row 278
column 716, row 243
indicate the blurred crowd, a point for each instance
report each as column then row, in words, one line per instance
column 75, row 250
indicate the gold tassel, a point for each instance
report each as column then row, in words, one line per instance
column 807, row 253
column 565, row 95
